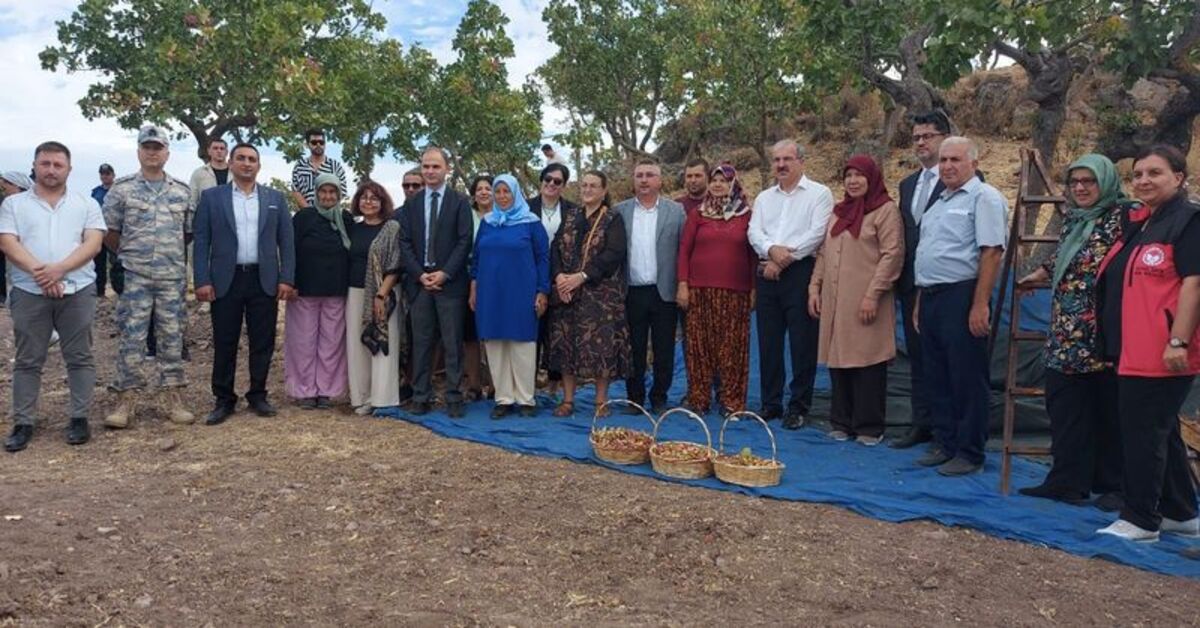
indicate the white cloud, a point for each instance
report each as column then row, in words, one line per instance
column 36, row 105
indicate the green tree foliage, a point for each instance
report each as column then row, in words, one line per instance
column 740, row 68
column 473, row 113
column 1160, row 41
column 247, row 67
column 372, row 99
column 611, row 67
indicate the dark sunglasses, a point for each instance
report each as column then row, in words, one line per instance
column 411, row 186
column 552, row 180
column 316, row 142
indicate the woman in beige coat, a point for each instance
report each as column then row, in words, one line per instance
column 851, row 293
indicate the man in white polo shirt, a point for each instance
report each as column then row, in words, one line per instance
column 50, row 236
column 787, row 227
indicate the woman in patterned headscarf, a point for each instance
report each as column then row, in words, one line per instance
column 851, row 293
column 716, row 288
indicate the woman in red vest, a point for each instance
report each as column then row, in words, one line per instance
column 1150, row 310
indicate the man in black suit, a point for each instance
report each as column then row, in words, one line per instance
column 918, row 191
column 435, row 239
column 244, row 263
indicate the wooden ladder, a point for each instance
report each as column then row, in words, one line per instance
column 1034, row 193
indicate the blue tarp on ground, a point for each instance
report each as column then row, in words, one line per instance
column 875, row 482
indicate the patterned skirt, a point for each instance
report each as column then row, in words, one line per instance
column 588, row 337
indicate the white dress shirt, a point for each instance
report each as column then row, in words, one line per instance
column 926, row 181
column 552, row 219
column 51, row 234
column 245, row 217
column 643, row 255
column 795, row 219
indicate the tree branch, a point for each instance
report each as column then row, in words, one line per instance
column 1024, row 59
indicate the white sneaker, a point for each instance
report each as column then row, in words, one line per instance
column 53, row 337
column 1189, row 528
column 1122, row 529
column 839, row 435
column 364, row 410
column 869, row 441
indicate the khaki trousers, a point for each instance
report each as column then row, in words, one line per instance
column 514, row 370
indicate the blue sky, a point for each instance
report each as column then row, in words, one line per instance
column 36, row 105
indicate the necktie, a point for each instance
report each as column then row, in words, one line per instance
column 918, row 207
column 430, row 249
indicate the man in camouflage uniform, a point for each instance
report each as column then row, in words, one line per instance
column 149, row 216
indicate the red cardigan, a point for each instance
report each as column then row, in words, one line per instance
column 717, row 253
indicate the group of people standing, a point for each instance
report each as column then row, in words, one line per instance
column 377, row 295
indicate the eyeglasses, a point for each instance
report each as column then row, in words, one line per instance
column 316, row 142
column 925, row 137
column 411, row 186
column 1086, row 182
column 369, row 198
column 552, row 181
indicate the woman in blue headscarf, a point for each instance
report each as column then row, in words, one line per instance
column 510, row 283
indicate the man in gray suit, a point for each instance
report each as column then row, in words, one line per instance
column 244, row 262
column 654, row 224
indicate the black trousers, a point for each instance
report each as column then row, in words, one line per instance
column 245, row 300
column 100, row 263
column 1157, row 481
column 3, row 276
column 859, row 399
column 912, row 346
column 650, row 316
column 437, row 316
column 1085, row 437
column 956, row 366
column 782, row 310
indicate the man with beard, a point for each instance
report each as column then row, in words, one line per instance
column 50, row 236
column 304, row 175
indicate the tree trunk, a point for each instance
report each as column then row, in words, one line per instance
column 1173, row 125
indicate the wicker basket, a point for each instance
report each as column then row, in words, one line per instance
column 620, row 456
column 742, row 475
column 685, row 469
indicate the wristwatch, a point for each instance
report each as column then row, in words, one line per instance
column 1176, row 343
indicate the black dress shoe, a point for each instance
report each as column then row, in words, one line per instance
column 78, row 432
column 631, row 410
column 959, row 466
column 323, row 403
column 19, row 438
column 455, row 410
column 418, row 408
column 913, row 437
column 933, row 458
column 793, row 421
column 1059, row 495
column 501, row 410
column 770, row 414
column 218, row 415
column 528, row 412
column 261, row 407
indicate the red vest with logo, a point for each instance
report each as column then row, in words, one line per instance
column 1150, row 296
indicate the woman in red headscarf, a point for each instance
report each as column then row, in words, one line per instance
column 851, row 293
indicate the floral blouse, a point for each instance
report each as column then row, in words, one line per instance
column 1073, row 344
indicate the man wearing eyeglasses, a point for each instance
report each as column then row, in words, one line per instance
column 304, row 175
column 918, row 192
column 412, row 183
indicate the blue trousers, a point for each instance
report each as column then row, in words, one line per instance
column 956, row 370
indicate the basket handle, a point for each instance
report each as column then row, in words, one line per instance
column 662, row 417
column 606, row 404
column 746, row 413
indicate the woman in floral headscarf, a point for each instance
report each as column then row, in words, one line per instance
column 716, row 288
column 851, row 292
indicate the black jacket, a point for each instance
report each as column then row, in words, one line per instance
column 452, row 242
column 535, row 206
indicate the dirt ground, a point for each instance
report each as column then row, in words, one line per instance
column 329, row 518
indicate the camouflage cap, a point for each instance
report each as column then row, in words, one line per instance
column 152, row 133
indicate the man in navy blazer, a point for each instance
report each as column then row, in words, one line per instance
column 244, row 261
column 918, row 192
column 436, row 232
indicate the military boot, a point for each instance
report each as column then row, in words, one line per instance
column 172, row 403
column 120, row 417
